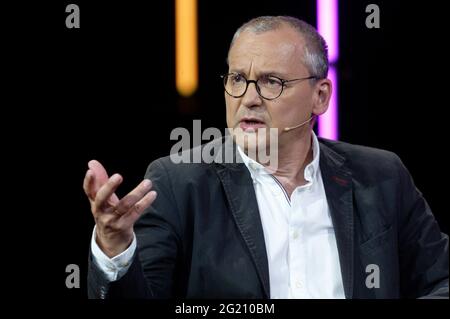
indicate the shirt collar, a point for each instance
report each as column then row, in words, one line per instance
column 310, row 173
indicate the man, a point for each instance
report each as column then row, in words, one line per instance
column 329, row 220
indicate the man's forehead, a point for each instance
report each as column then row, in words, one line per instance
column 270, row 50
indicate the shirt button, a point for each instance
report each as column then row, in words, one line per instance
column 298, row 285
column 102, row 293
column 295, row 235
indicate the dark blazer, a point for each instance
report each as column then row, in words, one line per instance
column 203, row 238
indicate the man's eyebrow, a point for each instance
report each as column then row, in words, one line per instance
column 260, row 74
column 240, row 71
column 273, row 73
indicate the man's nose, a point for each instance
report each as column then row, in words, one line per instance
column 251, row 98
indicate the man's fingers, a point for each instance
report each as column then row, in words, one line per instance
column 107, row 190
column 134, row 196
column 142, row 205
column 100, row 176
column 136, row 211
column 87, row 185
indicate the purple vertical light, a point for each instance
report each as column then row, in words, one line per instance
column 328, row 27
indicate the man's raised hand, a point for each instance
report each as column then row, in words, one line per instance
column 114, row 217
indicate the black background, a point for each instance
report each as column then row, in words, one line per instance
column 107, row 91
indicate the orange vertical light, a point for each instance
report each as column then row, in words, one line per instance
column 186, row 55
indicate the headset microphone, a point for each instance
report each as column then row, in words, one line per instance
column 287, row 129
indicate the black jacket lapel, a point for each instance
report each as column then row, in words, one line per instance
column 238, row 186
column 339, row 190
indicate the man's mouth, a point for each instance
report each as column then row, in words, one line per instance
column 251, row 124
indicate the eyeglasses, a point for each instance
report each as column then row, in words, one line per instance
column 269, row 87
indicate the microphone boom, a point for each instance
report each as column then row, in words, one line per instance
column 287, row 129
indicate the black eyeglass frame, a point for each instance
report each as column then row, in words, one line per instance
column 283, row 84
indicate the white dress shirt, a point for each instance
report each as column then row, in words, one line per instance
column 298, row 231
column 299, row 234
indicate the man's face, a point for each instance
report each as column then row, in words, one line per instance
column 278, row 53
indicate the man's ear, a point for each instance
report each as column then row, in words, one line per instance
column 322, row 95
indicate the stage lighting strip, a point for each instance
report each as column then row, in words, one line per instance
column 186, row 47
column 328, row 27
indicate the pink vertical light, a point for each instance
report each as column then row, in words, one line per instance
column 328, row 27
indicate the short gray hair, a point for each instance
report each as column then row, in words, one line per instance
column 316, row 50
